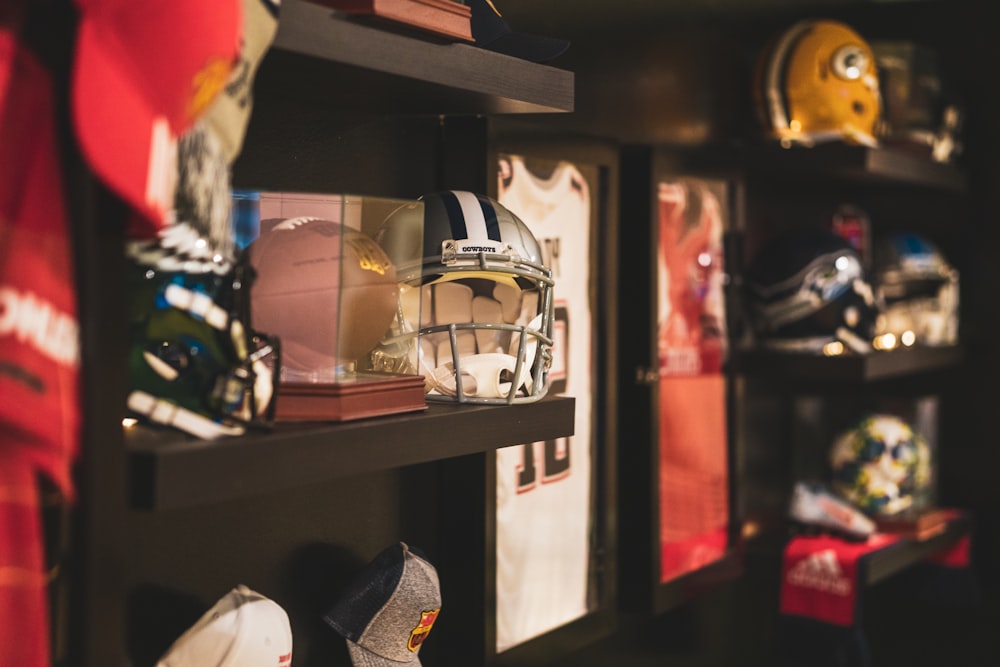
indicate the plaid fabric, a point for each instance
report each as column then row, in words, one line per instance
column 24, row 613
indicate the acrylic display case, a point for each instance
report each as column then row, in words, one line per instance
column 329, row 292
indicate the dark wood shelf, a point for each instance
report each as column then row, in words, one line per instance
column 767, row 550
column 848, row 368
column 359, row 64
column 897, row 557
column 860, row 164
column 169, row 470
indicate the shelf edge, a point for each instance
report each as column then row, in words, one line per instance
column 168, row 473
column 312, row 30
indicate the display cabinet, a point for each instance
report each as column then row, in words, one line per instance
column 680, row 409
column 688, row 91
column 792, row 188
column 795, row 404
column 168, row 523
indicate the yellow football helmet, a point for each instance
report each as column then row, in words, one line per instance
column 818, row 82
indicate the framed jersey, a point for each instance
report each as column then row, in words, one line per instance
column 550, row 523
column 691, row 337
column 676, row 392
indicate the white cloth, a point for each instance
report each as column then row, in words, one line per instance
column 544, row 489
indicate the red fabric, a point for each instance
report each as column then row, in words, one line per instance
column 144, row 72
column 39, row 346
column 39, row 342
column 24, row 612
column 693, row 463
column 693, row 473
column 691, row 310
column 680, row 558
column 819, row 575
column 957, row 555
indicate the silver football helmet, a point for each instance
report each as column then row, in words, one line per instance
column 476, row 307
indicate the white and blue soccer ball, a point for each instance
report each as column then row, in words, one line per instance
column 882, row 465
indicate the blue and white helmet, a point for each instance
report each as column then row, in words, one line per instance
column 920, row 290
column 476, row 306
column 808, row 291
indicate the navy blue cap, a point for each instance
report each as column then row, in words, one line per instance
column 491, row 32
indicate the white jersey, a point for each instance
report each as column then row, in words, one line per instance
column 544, row 488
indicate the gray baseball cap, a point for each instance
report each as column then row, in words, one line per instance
column 388, row 609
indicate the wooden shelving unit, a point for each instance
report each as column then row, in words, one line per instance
column 169, row 471
column 862, row 164
column 362, row 65
column 907, row 552
column 877, row 566
column 816, row 369
column 366, row 80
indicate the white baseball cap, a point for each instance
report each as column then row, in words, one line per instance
column 242, row 629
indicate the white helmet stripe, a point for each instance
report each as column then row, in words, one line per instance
column 472, row 212
column 775, row 85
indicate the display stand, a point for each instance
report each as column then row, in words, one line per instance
column 357, row 397
column 916, row 526
column 444, row 17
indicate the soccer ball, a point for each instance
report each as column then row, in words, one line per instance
column 881, row 465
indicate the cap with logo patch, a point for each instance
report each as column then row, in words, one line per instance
column 388, row 609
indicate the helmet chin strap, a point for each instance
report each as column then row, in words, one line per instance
column 480, row 375
column 164, row 412
column 262, row 386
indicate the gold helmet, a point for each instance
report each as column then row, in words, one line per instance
column 818, row 82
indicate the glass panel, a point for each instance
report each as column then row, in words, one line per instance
column 691, row 342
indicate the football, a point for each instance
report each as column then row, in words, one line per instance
column 329, row 292
column 880, row 465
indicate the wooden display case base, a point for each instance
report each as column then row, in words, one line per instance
column 917, row 526
column 444, row 17
column 364, row 395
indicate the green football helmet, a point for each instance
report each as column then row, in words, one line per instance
column 194, row 362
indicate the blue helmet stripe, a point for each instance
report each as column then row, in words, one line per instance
column 455, row 216
column 490, row 216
